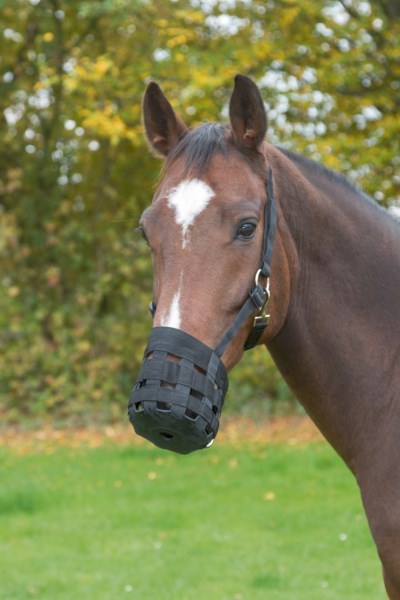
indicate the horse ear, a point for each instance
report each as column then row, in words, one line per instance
column 163, row 127
column 247, row 113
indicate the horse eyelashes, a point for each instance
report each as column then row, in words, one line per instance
column 140, row 230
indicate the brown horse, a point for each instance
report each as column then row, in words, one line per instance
column 335, row 296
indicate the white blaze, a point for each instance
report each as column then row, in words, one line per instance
column 173, row 317
column 189, row 199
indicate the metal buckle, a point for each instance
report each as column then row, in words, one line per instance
column 263, row 318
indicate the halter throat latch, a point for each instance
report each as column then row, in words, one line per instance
column 259, row 297
column 263, row 318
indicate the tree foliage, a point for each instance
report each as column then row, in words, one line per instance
column 75, row 173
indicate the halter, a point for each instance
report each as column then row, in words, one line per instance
column 178, row 396
column 259, row 295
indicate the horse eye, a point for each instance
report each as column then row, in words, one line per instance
column 143, row 234
column 246, row 231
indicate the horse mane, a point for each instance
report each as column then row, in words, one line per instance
column 199, row 146
column 312, row 169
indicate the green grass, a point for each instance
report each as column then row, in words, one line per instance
column 238, row 523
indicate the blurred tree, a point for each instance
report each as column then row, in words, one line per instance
column 75, row 174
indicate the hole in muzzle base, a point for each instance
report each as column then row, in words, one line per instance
column 208, row 430
column 164, row 406
column 190, row 414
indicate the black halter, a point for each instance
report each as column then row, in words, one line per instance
column 259, row 295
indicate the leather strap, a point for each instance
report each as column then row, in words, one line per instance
column 269, row 228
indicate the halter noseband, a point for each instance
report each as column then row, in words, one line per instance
column 259, row 295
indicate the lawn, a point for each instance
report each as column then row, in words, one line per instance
column 242, row 521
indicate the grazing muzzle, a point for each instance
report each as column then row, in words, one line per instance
column 178, row 397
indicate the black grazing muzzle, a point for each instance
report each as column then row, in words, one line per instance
column 178, row 396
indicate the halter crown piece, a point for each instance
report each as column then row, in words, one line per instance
column 179, row 393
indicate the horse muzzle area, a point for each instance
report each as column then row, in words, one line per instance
column 177, row 400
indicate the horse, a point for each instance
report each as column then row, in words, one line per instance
column 254, row 244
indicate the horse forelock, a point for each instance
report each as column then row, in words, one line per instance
column 200, row 145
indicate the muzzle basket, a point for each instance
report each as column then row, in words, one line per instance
column 178, row 396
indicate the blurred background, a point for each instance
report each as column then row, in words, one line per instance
column 75, row 172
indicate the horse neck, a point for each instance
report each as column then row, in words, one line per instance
column 338, row 348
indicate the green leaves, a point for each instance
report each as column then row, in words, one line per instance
column 75, row 173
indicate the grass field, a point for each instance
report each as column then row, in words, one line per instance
column 243, row 521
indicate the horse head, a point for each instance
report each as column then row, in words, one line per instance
column 211, row 229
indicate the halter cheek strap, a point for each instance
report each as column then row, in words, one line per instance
column 259, row 295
